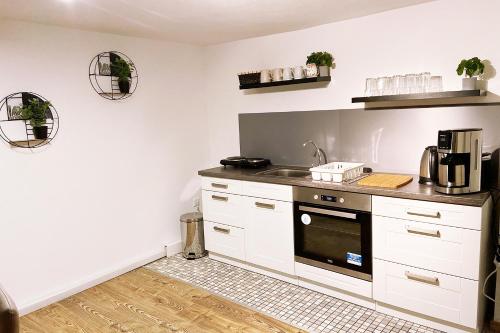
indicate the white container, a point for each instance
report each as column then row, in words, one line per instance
column 337, row 171
column 469, row 83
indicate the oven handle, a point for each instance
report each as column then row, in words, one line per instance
column 328, row 212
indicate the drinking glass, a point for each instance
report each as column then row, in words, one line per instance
column 435, row 84
column 381, row 85
column 411, row 81
column 402, row 84
column 419, row 85
column 426, row 78
column 371, row 87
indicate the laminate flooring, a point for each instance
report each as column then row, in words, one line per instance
column 143, row 301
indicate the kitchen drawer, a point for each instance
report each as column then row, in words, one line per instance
column 223, row 208
column 425, row 211
column 437, row 295
column 225, row 240
column 221, row 185
column 268, row 191
column 334, row 280
column 439, row 248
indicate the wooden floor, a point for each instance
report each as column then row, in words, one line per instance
column 143, row 301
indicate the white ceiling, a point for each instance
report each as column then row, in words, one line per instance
column 194, row 21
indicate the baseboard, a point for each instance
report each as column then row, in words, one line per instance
column 89, row 282
column 173, row 248
column 292, row 279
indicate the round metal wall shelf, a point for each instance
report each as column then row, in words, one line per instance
column 104, row 79
column 17, row 131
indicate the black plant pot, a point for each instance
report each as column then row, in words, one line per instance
column 124, row 86
column 40, row 132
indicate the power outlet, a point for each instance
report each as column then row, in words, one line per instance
column 196, row 203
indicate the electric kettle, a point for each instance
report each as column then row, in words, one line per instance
column 429, row 166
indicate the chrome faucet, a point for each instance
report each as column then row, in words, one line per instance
column 317, row 153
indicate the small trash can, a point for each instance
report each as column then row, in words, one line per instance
column 193, row 240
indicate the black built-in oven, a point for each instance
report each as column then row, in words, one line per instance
column 332, row 230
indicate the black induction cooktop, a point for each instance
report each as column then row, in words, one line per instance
column 245, row 162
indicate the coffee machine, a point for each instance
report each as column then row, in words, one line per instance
column 459, row 161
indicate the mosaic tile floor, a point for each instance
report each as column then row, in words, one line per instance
column 295, row 305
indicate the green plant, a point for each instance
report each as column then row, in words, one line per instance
column 122, row 69
column 35, row 112
column 472, row 67
column 320, row 59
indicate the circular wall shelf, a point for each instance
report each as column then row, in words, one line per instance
column 103, row 75
column 17, row 131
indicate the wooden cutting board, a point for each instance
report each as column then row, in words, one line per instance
column 386, row 180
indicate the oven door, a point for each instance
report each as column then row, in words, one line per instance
column 335, row 239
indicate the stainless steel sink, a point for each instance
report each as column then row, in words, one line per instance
column 286, row 172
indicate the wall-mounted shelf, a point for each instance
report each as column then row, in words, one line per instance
column 19, row 132
column 34, row 143
column 422, row 96
column 286, row 82
column 104, row 78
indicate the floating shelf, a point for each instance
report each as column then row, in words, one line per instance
column 286, row 82
column 421, row 96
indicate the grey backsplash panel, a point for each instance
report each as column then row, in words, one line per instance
column 386, row 140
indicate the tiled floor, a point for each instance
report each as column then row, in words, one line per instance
column 298, row 306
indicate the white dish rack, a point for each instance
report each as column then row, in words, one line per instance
column 337, row 171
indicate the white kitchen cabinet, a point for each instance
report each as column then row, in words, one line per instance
column 430, row 293
column 223, row 208
column 225, row 240
column 431, row 259
column 454, row 251
column 221, row 185
column 267, row 191
column 269, row 234
column 250, row 221
column 430, row 212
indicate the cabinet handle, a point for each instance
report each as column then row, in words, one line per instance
column 223, row 230
column 420, row 278
column 264, row 205
column 435, row 215
column 216, row 185
column 424, row 232
column 219, row 198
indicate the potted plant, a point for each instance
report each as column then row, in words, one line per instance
column 35, row 111
column 323, row 60
column 472, row 67
column 123, row 70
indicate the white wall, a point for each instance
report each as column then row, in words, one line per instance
column 428, row 37
column 109, row 190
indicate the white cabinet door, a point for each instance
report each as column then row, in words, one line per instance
column 269, row 234
column 439, row 248
column 434, row 294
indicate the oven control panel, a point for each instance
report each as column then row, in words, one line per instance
column 328, row 198
column 349, row 200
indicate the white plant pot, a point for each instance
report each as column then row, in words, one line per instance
column 469, row 83
column 324, row 71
